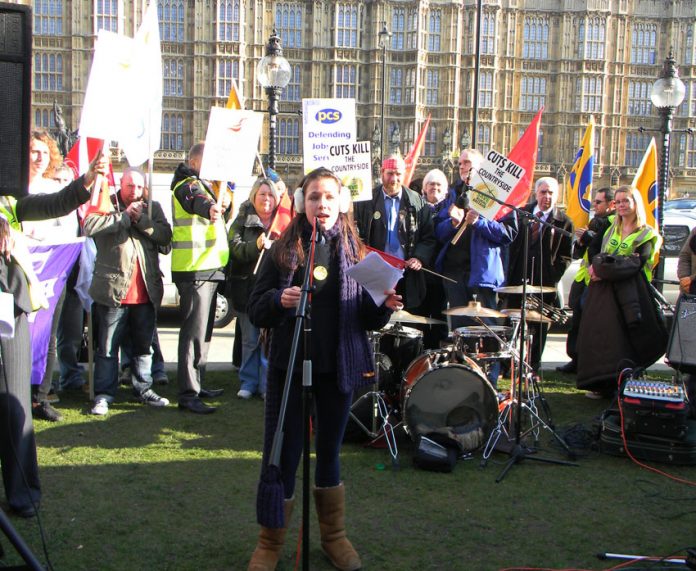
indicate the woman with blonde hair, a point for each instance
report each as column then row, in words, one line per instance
column 249, row 237
column 621, row 327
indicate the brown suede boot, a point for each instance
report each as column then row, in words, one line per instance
column 267, row 552
column 331, row 507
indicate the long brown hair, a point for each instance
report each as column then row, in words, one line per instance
column 56, row 159
column 289, row 254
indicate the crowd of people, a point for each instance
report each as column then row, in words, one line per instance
column 452, row 256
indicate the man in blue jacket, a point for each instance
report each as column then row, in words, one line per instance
column 474, row 261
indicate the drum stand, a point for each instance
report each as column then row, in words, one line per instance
column 518, row 452
column 379, row 410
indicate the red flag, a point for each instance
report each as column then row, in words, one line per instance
column 524, row 153
column 282, row 218
column 398, row 263
column 80, row 165
column 72, row 159
column 100, row 203
column 411, row 159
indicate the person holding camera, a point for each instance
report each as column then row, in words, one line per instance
column 127, row 288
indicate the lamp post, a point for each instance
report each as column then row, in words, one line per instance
column 667, row 94
column 384, row 36
column 273, row 73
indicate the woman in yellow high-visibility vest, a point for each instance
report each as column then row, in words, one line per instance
column 620, row 327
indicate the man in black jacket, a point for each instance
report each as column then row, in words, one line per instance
column 399, row 222
column 548, row 255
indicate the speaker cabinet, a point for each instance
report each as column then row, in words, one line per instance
column 15, row 97
column 681, row 349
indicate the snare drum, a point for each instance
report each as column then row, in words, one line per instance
column 454, row 401
column 480, row 344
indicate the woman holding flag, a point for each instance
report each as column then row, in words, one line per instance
column 341, row 314
column 249, row 237
column 620, row 327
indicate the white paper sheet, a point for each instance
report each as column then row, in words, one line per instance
column 375, row 275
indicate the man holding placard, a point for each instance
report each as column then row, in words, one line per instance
column 199, row 255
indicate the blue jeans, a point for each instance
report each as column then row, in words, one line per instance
column 458, row 295
column 112, row 323
column 157, row 358
column 252, row 373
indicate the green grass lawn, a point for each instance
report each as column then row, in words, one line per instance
column 159, row 489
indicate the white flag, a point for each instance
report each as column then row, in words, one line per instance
column 123, row 100
column 141, row 133
column 104, row 108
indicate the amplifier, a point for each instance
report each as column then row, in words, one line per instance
column 654, row 407
column 681, row 348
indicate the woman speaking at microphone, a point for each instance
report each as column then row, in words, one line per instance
column 341, row 313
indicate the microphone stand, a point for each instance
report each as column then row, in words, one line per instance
column 302, row 323
column 519, row 452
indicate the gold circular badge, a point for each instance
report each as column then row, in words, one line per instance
column 377, row 215
column 320, row 273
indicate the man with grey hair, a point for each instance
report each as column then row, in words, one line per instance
column 472, row 259
column 548, row 255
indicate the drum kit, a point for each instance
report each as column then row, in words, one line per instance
column 444, row 394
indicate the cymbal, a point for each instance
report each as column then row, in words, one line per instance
column 530, row 289
column 405, row 317
column 532, row 316
column 473, row 309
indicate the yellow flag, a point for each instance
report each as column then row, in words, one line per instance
column 579, row 182
column 234, row 101
column 645, row 181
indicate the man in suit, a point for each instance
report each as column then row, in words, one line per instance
column 399, row 222
column 548, row 256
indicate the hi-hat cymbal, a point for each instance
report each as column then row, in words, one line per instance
column 406, row 317
column 473, row 309
column 530, row 289
column 531, row 316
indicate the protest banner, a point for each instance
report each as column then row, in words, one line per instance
column 351, row 163
column 326, row 122
column 496, row 177
column 52, row 263
column 230, row 144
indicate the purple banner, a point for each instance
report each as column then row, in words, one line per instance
column 52, row 264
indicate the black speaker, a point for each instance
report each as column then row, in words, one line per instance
column 15, row 98
column 681, row 349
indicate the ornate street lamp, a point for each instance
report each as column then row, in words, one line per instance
column 667, row 94
column 384, row 36
column 273, row 73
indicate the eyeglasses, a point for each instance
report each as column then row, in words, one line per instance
column 598, row 201
column 624, row 201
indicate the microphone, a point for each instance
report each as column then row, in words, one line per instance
column 319, row 237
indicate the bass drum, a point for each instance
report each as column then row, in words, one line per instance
column 450, row 402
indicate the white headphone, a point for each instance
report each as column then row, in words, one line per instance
column 345, row 197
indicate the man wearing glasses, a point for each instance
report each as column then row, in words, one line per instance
column 603, row 208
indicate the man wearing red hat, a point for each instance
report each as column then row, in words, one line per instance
column 398, row 221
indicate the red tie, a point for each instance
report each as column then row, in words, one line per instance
column 536, row 226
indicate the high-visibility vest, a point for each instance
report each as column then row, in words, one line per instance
column 583, row 274
column 197, row 243
column 612, row 243
column 8, row 208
